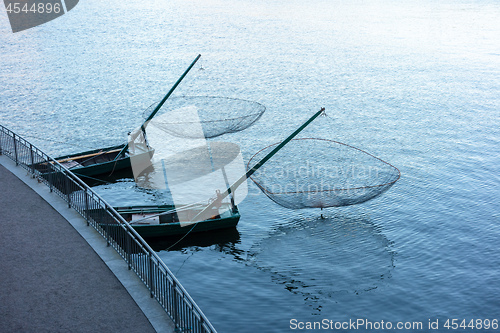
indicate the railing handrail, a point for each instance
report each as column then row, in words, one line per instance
column 177, row 286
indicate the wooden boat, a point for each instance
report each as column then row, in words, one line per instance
column 100, row 162
column 162, row 221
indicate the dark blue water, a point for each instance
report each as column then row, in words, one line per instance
column 416, row 84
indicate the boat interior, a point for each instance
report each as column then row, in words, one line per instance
column 90, row 159
column 167, row 214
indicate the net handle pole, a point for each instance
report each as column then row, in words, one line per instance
column 171, row 91
column 250, row 172
column 282, row 144
column 158, row 107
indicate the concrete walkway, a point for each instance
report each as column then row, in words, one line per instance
column 51, row 279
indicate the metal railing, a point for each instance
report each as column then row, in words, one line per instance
column 139, row 256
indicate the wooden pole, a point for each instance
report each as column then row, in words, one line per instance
column 158, row 107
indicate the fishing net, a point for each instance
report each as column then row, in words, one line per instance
column 182, row 116
column 320, row 173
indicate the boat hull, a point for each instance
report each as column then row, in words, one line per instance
column 166, row 225
column 171, row 229
column 100, row 162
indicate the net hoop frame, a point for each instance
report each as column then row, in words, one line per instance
column 332, row 190
column 261, row 107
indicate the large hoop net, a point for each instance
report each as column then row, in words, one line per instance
column 320, row 173
column 217, row 116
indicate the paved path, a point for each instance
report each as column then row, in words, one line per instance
column 51, row 279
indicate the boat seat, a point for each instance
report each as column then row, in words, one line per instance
column 150, row 221
column 70, row 164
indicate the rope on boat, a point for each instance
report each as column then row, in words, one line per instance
column 183, row 208
column 186, row 207
column 184, row 236
column 92, row 178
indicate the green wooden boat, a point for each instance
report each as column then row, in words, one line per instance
column 100, row 162
column 163, row 221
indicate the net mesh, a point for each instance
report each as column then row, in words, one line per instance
column 182, row 116
column 320, row 173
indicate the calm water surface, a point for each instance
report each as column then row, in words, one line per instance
column 416, row 84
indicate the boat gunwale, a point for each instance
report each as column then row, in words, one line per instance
column 89, row 152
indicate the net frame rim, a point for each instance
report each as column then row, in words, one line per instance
column 332, row 190
column 261, row 106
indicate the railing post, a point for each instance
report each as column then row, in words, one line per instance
column 107, row 235
column 51, row 175
column 87, row 213
column 108, row 243
column 129, row 250
column 175, row 313
column 15, row 148
column 32, row 161
column 151, row 280
column 68, row 194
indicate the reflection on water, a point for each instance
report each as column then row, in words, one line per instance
column 125, row 192
column 319, row 257
column 316, row 258
column 223, row 240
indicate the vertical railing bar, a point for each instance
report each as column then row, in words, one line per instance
column 107, row 230
column 15, row 148
column 151, row 280
column 66, row 186
column 51, row 176
column 32, row 161
column 129, row 252
column 175, row 308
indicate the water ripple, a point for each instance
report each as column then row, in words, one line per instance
column 323, row 256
